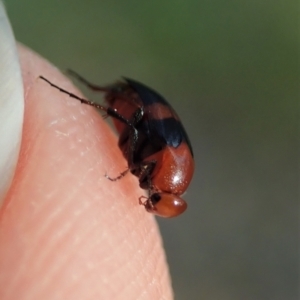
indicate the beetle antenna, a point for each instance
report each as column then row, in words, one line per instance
column 82, row 100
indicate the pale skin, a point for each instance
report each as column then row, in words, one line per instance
column 67, row 232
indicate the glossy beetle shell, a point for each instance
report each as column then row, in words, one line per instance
column 162, row 139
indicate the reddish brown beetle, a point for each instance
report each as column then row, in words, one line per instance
column 152, row 139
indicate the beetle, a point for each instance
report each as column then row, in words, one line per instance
column 152, row 140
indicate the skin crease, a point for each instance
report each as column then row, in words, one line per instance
column 66, row 232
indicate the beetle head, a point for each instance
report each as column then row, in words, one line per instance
column 165, row 205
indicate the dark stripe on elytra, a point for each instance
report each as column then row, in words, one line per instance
column 146, row 94
column 170, row 131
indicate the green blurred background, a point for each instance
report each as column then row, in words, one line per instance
column 231, row 69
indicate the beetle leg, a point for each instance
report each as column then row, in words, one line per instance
column 140, row 200
column 122, row 174
column 147, row 203
column 134, row 134
column 145, row 174
column 150, row 167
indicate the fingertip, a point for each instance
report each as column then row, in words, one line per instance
column 76, row 235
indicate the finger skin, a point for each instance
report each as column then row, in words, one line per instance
column 66, row 232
